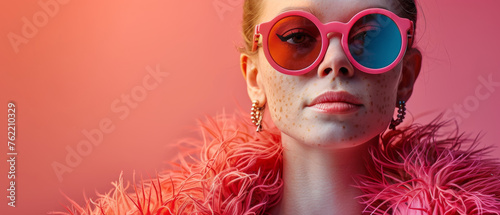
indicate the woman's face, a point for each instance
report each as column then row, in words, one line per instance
column 289, row 98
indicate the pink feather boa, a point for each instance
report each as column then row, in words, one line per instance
column 238, row 171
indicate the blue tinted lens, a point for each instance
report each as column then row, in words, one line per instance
column 374, row 41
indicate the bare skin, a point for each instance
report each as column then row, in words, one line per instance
column 323, row 151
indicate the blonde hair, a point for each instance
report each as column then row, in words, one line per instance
column 251, row 13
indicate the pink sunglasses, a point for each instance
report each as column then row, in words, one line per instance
column 295, row 42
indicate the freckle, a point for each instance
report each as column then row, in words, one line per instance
column 281, row 109
column 286, row 116
column 356, row 125
column 350, row 138
column 305, row 118
column 315, row 84
column 300, row 126
column 315, row 116
column 368, row 85
column 308, row 130
column 366, row 112
column 371, row 103
column 347, row 82
column 294, row 124
column 343, row 127
column 356, row 114
column 342, row 139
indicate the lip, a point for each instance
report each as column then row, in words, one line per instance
column 340, row 102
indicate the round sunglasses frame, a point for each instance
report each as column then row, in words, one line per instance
column 405, row 26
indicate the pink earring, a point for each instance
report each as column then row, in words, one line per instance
column 401, row 115
column 256, row 115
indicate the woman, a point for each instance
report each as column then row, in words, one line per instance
column 329, row 114
column 329, row 74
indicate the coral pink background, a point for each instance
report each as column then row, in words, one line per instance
column 86, row 57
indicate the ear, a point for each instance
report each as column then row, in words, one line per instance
column 412, row 62
column 251, row 74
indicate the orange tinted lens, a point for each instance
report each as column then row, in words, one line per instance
column 294, row 42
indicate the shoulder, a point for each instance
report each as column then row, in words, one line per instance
column 431, row 169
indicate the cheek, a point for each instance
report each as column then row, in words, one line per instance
column 382, row 96
column 285, row 96
column 282, row 98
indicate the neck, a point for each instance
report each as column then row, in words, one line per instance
column 319, row 180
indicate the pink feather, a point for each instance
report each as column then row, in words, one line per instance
column 238, row 171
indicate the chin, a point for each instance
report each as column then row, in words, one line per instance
column 334, row 139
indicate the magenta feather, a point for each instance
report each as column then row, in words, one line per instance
column 422, row 170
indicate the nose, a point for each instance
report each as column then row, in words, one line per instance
column 335, row 61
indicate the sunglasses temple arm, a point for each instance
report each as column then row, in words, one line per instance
column 257, row 38
column 411, row 34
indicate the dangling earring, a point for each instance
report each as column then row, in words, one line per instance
column 257, row 113
column 401, row 115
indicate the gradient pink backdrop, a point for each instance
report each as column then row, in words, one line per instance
column 89, row 54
